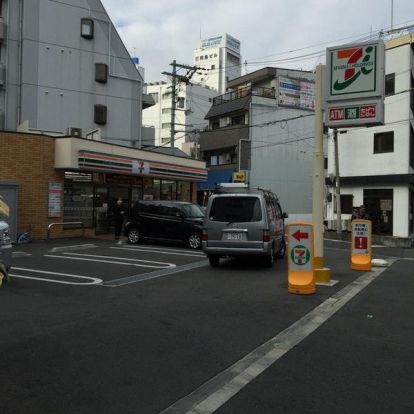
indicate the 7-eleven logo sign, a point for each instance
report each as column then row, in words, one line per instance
column 353, row 69
column 300, row 255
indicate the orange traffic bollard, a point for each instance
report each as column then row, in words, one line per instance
column 301, row 273
column 361, row 252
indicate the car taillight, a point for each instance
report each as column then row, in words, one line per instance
column 204, row 235
column 266, row 236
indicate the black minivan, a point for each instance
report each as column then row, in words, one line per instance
column 165, row 220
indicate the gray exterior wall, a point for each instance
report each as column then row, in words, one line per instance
column 285, row 168
column 50, row 70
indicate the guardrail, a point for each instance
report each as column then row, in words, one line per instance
column 70, row 223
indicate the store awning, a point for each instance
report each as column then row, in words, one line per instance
column 216, row 177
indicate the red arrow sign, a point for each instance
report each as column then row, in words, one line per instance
column 298, row 235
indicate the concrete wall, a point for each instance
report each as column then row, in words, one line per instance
column 57, row 71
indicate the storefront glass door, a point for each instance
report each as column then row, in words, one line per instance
column 379, row 205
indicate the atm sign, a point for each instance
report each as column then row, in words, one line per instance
column 352, row 112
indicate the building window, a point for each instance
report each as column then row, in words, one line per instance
column 165, row 125
column 213, row 67
column 196, row 58
column 100, row 114
column 384, row 142
column 181, row 102
column 215, row 124
column 237, row 120
column 165, row 140
column 411, row 147
column 232, row 58
column 166, row 110
column 390, row 84
column 101, row 72
column 201, row 57
column 87, row 28
column 205, row 56
column 154, row 96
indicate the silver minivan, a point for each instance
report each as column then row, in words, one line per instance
column 243, row 221
column 5, row 250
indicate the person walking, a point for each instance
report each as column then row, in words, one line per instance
column 119, row 216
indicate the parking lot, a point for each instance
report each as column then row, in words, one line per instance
column 94, row 326
column 102, row 263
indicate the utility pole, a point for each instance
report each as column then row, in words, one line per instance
column 180, row 78
column 173, row 102
column 337, row 186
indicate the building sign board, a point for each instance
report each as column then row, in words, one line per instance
column 296, row 93
column 239, row 177
column 354, row 85
column 55, row 199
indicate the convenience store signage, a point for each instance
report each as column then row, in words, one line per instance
column 355, row 83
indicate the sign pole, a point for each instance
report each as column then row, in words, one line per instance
column 322, row 274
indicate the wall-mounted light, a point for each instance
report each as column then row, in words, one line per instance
column 87, row 28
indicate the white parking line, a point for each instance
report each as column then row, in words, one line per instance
column 174, row 252
column 210, row 396
column 91, row 258
column 94, row 280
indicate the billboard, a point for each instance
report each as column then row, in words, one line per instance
column 296, row 93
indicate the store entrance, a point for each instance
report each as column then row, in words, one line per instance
column 379, row 205
column 113, row 194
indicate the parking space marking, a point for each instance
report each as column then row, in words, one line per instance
column 74, row 247
column 152, row 275
column 91, row 258
column 210, row 396
column 93, row 280
column 174, row 252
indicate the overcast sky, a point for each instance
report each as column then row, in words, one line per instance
column 158, row 31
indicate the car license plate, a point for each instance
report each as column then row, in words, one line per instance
column 234, row 236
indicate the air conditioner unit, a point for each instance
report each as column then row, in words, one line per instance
column 74, row 132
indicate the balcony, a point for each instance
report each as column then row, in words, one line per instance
column 243, row 92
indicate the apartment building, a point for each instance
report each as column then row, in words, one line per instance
column 64, row 69
column 377, row 164
column 192, row 105
column 264, row 127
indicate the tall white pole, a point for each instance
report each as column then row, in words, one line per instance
column 322, row 274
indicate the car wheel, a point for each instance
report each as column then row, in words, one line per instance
column 214, row 260
column 194, row 241
column 134, row 236
column 270, row 259
column 282, row 250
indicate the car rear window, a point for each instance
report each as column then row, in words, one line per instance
column 236, row 209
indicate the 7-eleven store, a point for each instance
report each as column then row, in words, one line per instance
column 97, row 174
column 46, row 180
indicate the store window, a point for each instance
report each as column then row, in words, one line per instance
column 151, row 189
column 168, row 190
column 78, row 199
column 183, row 191
column 154, row 95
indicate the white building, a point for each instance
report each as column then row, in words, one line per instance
column 221, row 59
column 193, row 103
column 377, row 164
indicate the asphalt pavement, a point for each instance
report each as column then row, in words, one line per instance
column 161, row 331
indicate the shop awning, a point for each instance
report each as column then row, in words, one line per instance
column 216, row 177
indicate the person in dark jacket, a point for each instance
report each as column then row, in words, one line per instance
column 119, row 216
